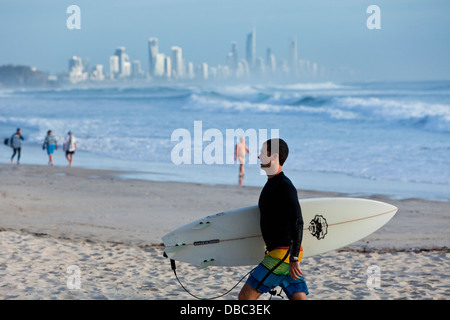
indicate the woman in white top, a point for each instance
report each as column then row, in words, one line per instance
column 70, row 145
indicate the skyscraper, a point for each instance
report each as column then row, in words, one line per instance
column 259, row 66
column 113, row 66
column 136, row 71
column 234, row 55
column 167, row 67
column 202, row 71
column 159, row 66
column 124, row 62
column 76, row 70
column 152, row 54
column 293, row 57
column 251, row 49
column 97, row 73
column 177, row 62
column 75, row 64
column 270, row 61
column 190, row 74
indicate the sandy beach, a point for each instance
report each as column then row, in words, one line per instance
column 58, row 222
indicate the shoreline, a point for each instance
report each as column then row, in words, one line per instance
column 213, row 175
column 47, row 199
column 53, row 219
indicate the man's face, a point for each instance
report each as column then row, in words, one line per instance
column 263, row 157
column 268, row 163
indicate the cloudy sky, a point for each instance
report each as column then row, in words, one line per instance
column 412, row 44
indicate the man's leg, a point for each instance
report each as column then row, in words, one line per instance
column 248, row 293
column 297, row 290
column 299, row 296
column 13, row 155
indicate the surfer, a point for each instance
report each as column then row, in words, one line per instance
column 70, row 145
column 239, row 154
column 282, row 230
column 51, row 145
column 16, row 143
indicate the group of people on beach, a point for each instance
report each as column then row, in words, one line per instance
column 50, row 144
column 281, row 220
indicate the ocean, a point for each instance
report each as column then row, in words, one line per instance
column 388, row 138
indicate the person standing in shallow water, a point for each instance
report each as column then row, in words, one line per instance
column 16, row 143
column 70, row 145
column 51, row 145
column 239, row 154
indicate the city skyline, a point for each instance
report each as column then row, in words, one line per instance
column 412, row 43
column 162, row 66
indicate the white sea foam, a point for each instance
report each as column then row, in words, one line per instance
column 372, row 132
column 433, row 116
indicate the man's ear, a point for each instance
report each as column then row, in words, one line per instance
column 275, row 156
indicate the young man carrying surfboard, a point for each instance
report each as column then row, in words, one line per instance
column 281, row 225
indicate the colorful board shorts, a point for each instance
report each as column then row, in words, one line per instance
column 278, row 277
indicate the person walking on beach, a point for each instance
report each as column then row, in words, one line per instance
column 239, row 153
column 70, row 145
column 281, row 225
column 51, row 145
column 16, row 143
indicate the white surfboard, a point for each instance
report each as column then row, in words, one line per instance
column 233, row 238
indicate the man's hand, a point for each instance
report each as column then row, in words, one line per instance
column 294, row 270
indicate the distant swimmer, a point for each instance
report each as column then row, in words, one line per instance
column 70, row 145
column 239, row 154
column 16, row 143
column 51, row 145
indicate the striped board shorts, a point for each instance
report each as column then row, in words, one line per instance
column 263, row 280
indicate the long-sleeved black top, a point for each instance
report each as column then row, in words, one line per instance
column 281, row 216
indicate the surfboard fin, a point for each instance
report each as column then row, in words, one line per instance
column 201, row 225
column 206, row 263
column 170, row 251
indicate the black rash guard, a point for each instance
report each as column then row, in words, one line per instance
column 281, row 215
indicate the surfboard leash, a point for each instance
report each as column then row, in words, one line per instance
column 174, row 267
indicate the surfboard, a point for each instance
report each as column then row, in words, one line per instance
column 233, row 238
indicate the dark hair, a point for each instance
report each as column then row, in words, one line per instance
column 283, row 150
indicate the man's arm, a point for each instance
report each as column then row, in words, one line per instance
column 294, row 270
column 296, row 227
column 296, row 236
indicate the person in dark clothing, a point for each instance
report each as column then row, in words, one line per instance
column 281, row 225
column 16, row 144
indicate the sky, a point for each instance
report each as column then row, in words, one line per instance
column 412, row 44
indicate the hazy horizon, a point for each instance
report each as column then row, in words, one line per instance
column 412, row 44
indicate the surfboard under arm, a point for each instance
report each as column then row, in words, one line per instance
column 233, row 238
